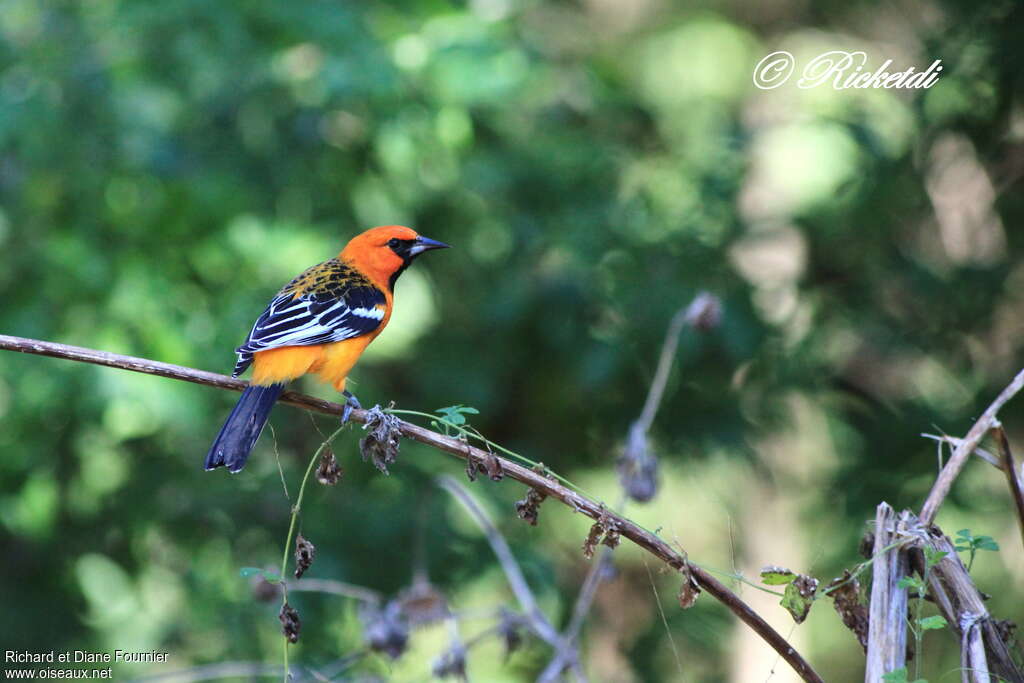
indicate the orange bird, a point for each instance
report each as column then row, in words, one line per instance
column 319, row 323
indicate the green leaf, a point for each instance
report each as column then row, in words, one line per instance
column 896, row 676
column 776, row 576
column 456, row 414
column 963, row 548
column 986, row 543
column 932, row 557
column 799, row 597
column 900, row 676
column 932, row 623
column 965, row 534
column 911, row 582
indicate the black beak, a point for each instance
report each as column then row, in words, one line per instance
column 422, row 244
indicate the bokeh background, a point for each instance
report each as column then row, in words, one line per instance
column 165, row 167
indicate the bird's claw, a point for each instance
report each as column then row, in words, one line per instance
column 350, row 403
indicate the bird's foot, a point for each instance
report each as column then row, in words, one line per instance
column 350, row 403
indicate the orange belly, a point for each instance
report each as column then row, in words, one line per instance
column 329, row 362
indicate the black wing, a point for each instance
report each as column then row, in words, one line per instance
column 320, row 316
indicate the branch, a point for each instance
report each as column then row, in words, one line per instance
column 153, row 367
column 1011, row 473
column 638, row 535
column 887, row 626
column 516, row 580
column 638, row 465
column 332, row 587
column 954, row 442
column 566, row 654
column 703, row 312
column 963, row 607
column 963, row 450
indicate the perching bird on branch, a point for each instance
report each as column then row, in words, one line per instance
column 319, row 323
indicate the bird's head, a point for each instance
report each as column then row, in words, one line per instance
column 382, row 253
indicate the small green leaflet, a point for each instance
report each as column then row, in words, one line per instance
column 799, row 597
column 911, row 582
column 932, row 623
column 776, row 576
column 986, row 543
column 899, row 676
column 932, row 557
column 456, row 414
column 964, row 536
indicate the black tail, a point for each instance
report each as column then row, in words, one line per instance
column 242, row 428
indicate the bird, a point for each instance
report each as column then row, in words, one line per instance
column 319, row 324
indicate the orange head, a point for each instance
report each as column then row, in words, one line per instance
column 382, row 253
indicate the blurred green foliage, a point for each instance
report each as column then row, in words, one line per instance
column 165, row 167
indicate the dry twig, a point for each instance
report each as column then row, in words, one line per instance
column 887, row 626
column 1010, row 469
column 638, row 535
column 961, row 604
column 960, row 454
column 332, row 587
column 524, row 595
column 638, row 466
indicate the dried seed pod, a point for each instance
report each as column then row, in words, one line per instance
column 451, row 663
column 509, row 629
column 290, row 622
column 304, row 554
column 845, row 593
column 328, row 472
column 593, row 538
column 489, row 465
column 638, row 467
column 472, row 467
column 611, row 537
column 492, row 465
column 383, row 441
column 689, row 591
column 529, row 507
column 604, row 527
column 385, row 630
column 705, row 312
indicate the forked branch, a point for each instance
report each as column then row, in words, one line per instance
column 964, row 449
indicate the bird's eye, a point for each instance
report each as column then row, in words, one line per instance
column 394, row 242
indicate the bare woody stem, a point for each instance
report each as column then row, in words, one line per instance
column 517, row 582
column 887, row 623
column 963, row 450
column 634, row 532
column 703, row 304
column 1010, row 468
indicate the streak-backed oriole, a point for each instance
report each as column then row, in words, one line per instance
column 319, row 323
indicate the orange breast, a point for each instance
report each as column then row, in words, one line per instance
column 331, row 363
